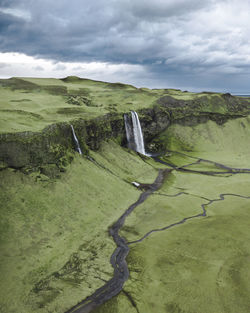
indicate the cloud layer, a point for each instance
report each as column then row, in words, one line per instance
column 166, row 43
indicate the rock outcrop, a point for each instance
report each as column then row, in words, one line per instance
column 54, row 145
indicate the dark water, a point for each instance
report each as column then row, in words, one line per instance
column 245, row 96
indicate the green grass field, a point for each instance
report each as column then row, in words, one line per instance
column 201, row 266
column 30, row 104
column 54, row 243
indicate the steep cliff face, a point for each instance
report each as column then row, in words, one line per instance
column 54, row 144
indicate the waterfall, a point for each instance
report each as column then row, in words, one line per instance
column 78, row 148
column 138, row 136
column 129, row 131
column 134, row 133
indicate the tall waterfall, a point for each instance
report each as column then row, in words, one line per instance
column 134, row 132
column 129, row 131
column 78, row 148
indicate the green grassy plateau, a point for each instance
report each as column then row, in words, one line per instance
column 55, row 210
column 30, row 104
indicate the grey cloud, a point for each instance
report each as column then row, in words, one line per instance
column 151, row 10
column 103, row 30
column 173, row 39
column 59, row 67
column 8, row 22
column 3, row 65
column 8, row 3
column 38, row 68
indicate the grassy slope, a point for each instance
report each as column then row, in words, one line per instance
column 54, row 244
column 201, row 266
column 227, row 143
column 30, row 104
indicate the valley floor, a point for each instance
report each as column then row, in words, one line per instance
column 55, row 247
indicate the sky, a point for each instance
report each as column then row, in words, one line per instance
column 196, row 45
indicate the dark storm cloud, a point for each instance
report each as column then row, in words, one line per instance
column 7, row 3
column 172, row 39
column 7, row 22
column 151, row 10
column 115, row 31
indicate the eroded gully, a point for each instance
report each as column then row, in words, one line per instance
column 118, row 259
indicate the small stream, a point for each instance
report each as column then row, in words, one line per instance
column 118, row 259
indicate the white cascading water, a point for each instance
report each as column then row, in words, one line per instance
column 134, row 137
column 78, row 148
column 129, row 131
column 138, row 136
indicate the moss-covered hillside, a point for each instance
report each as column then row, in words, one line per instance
column 189, row 240
column 30, row 104
column 180, row 260
column 35, row 115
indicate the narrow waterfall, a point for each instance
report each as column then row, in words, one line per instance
column 129, row 131
column 78, row 148
column 138, row 136
column 134, row 132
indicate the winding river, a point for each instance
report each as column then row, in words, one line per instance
column 118, row 259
